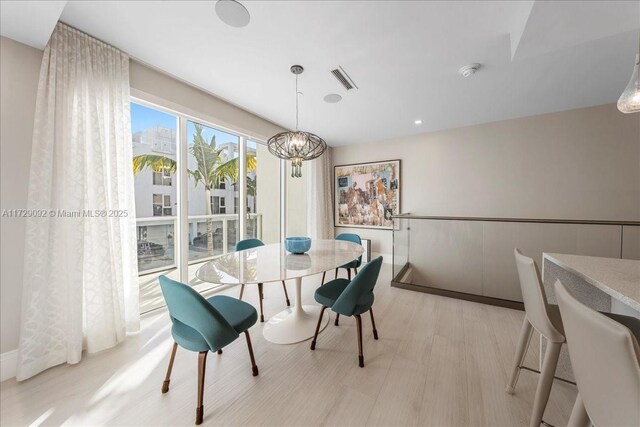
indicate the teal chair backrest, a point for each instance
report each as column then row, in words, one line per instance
column 351, row 237
column 248, row 244
column 191, row 309
column 359, row 293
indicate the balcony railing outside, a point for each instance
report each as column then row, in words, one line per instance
column 156, row 239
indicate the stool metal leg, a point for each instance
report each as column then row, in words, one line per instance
column 545, row 381
column 521, row 352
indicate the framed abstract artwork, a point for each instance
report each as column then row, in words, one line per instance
column 367, row 194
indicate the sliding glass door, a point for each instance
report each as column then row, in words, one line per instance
column 211, row 224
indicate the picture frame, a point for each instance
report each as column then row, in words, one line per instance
column 366, row 195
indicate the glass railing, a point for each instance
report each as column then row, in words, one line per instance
column 472, row 258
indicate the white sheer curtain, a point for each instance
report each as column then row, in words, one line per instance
column 320, row 197
column 80, row 280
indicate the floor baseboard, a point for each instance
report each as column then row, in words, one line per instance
column 8, row 364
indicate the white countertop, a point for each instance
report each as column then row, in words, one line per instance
column 619, row 278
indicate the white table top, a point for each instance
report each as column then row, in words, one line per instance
column 271, row 263
column 619, row 278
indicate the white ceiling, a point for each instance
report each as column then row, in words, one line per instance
column 537, row 57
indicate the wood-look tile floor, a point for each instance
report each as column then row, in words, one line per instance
column 438, row 362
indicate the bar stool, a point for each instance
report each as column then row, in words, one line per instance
column 605, row 357
column 544, row 318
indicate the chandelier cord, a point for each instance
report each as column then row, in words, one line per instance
column 297, row 94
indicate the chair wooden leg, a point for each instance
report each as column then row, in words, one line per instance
column 286, row 295
column 356, row 270
column 373, row 324
column 545, row 382
column 315, row 336
column 241, row 292
column 336, row 273
column 261, row 297
column 521, row 352
column 349, row 273
column 337, row 318
column 167, row 379
column 254, row 367
column 323, row 276
column 359, row 327
column 202, row 364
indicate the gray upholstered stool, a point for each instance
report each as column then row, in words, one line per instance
column 605, row 358
column 544, row 318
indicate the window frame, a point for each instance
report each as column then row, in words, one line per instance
column 183, row 115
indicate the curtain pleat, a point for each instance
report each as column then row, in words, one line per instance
column 320, row 197
column 80, row 275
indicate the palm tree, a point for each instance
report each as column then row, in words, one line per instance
column 211, row 168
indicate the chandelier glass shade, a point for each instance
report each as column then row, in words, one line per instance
column 297, row 145
column 629, row 101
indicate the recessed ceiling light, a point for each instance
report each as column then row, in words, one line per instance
column 232, row 13
column 469, row 70
column 417, row 122
column 332, row 98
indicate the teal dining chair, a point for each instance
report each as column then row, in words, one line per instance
column 350, row 298
column 254, row 243
column 355, row 264
column 204, row 325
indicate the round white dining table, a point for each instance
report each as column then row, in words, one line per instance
column 272, row 263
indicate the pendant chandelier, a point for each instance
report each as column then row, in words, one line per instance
column 629, row 101
column 296, row 146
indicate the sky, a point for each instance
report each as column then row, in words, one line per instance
column 143, row 117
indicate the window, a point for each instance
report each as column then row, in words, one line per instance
column 218, row 205
column 161, row 178
column 162, row 205
column 166, row 209
column 213, row 201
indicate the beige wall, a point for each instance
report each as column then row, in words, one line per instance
column 577, row 164
column 153, row 85
column 19, row 69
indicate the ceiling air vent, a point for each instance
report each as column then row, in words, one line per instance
column 344, row 79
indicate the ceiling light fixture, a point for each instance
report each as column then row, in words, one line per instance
column 469, row 70
column 232, row 13
column 332, row 98
column 299, row 145
column 417, row 122
column 629, row 101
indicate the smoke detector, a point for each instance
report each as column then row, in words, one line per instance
column 469, row 70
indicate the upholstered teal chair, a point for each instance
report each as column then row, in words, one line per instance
column 356, row 263
column 254, row 243
column 350, row 298
column 204, row 325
